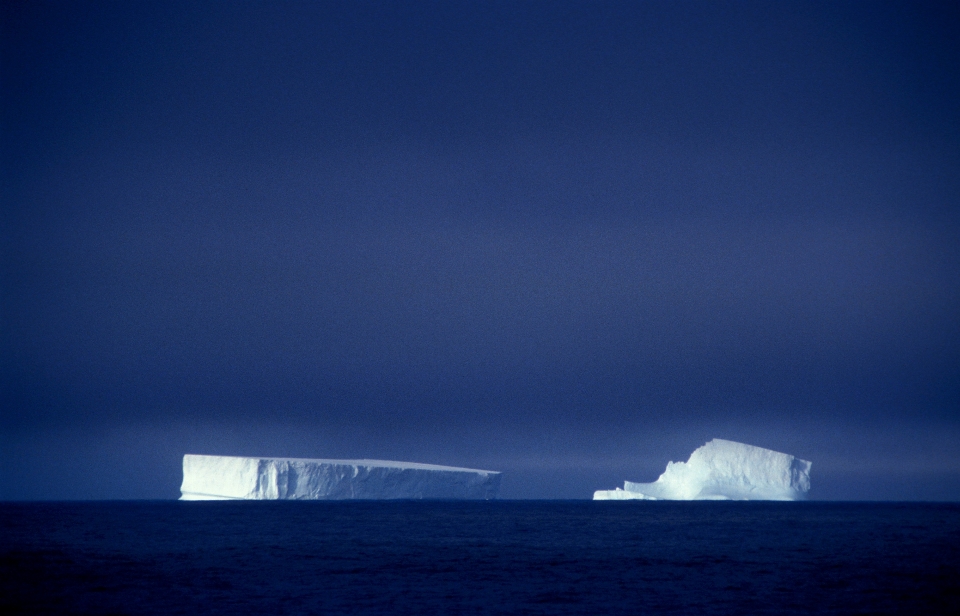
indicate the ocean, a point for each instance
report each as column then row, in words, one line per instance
column 469, row 557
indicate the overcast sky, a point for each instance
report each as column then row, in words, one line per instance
column 567, row 241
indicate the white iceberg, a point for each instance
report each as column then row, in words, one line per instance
column 723, row 470
column 237, row 478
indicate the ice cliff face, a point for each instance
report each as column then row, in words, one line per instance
column 229, row 477
column 723, row 470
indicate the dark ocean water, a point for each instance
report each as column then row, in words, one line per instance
column 506, row 557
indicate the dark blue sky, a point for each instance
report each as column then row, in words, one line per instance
column 568, row 241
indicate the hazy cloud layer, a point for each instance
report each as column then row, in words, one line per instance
column 569, row 241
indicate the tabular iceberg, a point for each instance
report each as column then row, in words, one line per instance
column 723, row 470
column 236, row 478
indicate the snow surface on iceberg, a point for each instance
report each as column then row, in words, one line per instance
column 723, row 470
column 230, row 477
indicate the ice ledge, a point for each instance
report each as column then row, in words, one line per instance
column 242, row 478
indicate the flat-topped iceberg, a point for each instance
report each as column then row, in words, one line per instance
column 236, row 478
column 723, row 470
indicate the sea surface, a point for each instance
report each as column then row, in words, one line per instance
column 498, row 557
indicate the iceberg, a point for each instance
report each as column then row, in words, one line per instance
column 723, row 470
column 238, row 478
